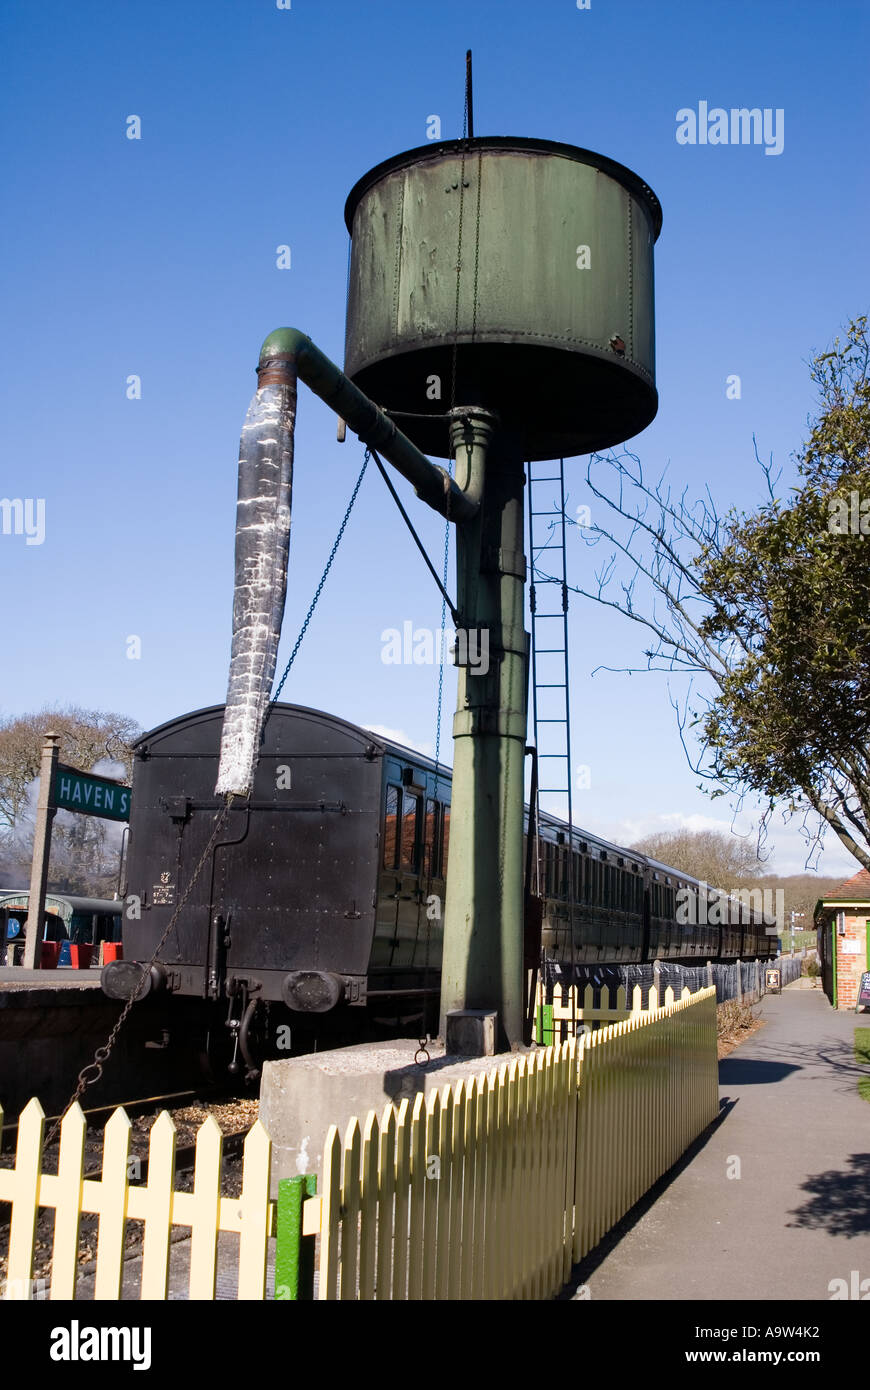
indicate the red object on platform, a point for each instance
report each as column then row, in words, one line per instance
column 112, row 950
column 80, row 956
column 49, row 954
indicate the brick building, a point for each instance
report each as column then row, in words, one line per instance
column 844, row 940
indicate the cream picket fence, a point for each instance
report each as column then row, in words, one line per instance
column 112, row 1197
column 648, row 1087
column 489, row 1189
column 462, row 1195
column 492, row 1189
column 556, row 1020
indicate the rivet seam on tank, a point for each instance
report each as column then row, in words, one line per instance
column 630, row 282
column 553, row 337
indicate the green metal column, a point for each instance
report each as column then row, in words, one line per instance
column 483, row 919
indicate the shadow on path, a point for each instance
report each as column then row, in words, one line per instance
column 838, row 1201
column 752, row 1071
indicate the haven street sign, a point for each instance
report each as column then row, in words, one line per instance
column 93, row 796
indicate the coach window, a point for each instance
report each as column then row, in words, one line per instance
column 431, row 868
column 410, row 832
column 391, row 821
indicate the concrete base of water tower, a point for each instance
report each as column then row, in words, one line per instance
column 472, row 1032
column 300, row 1097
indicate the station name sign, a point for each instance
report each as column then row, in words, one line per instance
column 92, row 796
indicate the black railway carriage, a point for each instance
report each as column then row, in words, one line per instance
column 629, row 909
column 314, row 891
column 324, row 891
column 605, row 898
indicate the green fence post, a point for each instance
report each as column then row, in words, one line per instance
column 294, row 1256
column 544, row 1024
column 288, row 1238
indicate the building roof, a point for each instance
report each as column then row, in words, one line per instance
column 854, row 890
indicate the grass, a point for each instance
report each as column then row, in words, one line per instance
column 801, row 939
column 862, row 1053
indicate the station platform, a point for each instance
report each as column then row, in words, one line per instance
column 15, row 977
column 773, row 1201
column 53, row 1021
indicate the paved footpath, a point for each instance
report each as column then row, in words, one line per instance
column 799, row 1214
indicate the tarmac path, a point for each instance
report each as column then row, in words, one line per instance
column 798, row 1216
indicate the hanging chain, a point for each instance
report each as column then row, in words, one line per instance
column 308, row 616
column 94, row 1070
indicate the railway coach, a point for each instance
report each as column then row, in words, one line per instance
column 323, row 893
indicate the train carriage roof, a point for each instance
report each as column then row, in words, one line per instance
column 549, row 823
column 279, row 711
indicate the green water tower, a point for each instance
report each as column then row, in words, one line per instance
column 532, row 263
column 500, row 309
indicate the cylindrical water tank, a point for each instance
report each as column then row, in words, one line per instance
column 509, row 273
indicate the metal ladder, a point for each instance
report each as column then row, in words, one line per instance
column 551, row 713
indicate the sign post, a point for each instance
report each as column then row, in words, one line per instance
column 45, row 809
column 863, row 992
column 773, row 981
column 63, row 788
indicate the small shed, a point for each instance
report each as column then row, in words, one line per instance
column 842, row 920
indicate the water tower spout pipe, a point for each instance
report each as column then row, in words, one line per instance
column 287, row 351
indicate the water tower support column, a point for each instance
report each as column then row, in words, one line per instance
column 482, row 968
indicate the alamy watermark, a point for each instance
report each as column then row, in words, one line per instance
column 849, row 516
column 855, row 1288
column 77, row 1343
column 709, row 907
column 422, row 647
column 741, row 125
column 23, row 516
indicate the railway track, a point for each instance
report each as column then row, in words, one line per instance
column 188, row 1109
column 132, row 1107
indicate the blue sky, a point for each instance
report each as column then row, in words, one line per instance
column 157, row 257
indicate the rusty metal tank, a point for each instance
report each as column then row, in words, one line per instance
column 515, row 274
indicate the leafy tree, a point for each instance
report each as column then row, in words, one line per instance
column 767, row 611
